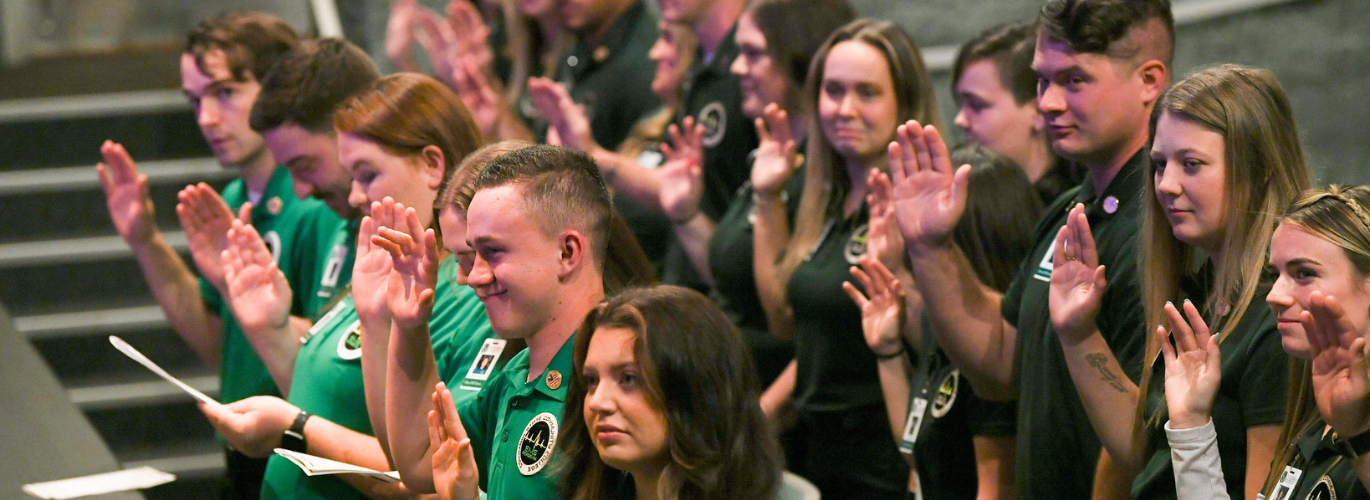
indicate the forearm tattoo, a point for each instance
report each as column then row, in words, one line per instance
column 1100, row 361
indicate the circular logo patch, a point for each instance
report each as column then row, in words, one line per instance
column 946, row 394
column 714, row 118
column 350, row 346
column 535, row 445
column 856, row 246
column 1323, row 490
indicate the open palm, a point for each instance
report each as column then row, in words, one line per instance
column 1341, row 384
column 929, row 196
column 1077, row 280
column 411, row 285
column 258, row 292
column 1193, row 367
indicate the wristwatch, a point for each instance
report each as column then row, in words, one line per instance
column 1353, row 446
column 293, row 438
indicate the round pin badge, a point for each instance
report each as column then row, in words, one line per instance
column 274, row 205
column 535, row 445
column 714, row 117
column 553, row 379
column 1110, row 204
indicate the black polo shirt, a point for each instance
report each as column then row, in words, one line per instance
column 613, row 78
column 1058, row 451
column 1252, row 392
column 944, row 418
column 713, row 96
column 1324, row 474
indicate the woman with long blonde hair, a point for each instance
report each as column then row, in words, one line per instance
column 1225, row 157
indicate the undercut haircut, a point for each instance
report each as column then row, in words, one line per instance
column 252, row 42
column 1009, row 47
column 1096, row 27
column 561, row 187
column 310, row 83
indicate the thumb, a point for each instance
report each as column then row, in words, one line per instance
column 245, row 213
column 960, row 183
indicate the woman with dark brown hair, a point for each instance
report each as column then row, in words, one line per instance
column 669, row 398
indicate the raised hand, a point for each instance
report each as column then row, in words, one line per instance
column 126, row 194
column 775, row 154
column 883, row 238
column 254, row 425
column 372, row 268
column 682, row 183
column 399, row 34
column 1341, row 384
column 472, row 35
column 258, row 292
column 412, row 283
column 880, row 312
column 1193, row 367
column 479, row 97
column 1077, row 280
column 438, row 39
column 206, row 220
column 929, row 196
column 564, row 117
column 454, row 465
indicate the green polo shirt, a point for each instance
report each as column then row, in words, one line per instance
column 339, row 254
column 513, row 426
column 327, row 381
column 292, row 229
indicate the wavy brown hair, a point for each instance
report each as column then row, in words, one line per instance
column 699, row 374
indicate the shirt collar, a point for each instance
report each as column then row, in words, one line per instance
column 1123, row 193
column 280, row 191
column 560, row 365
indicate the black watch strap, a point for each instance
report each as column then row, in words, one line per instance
column 1354, row 446
column 293, row 438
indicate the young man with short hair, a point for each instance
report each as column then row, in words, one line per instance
column 1102, row 64
column 220, row 69
column 539, row 225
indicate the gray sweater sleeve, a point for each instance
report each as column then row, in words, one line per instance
column 1198, row 469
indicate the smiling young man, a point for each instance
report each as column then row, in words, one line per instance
column 220, row 69
column 539, row 225
column 1101, row 66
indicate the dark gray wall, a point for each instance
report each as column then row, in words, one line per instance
column 1319, row 49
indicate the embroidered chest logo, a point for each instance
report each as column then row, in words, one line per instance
column 946, row 394
column 350, row 346
column 535, row 445
column 856, row 246
column 1323, row 490
column 714, row 118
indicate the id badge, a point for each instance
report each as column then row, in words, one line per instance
column 1288, row 480
column 484, row 364
column 917, row 409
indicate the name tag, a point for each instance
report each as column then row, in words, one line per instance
column 322, row 322
column 917, row 408
column 484, row 365
column 1288, row 480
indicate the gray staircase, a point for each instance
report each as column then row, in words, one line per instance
column 70, row 282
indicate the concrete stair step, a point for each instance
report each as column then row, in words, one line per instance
column 58, row 131
column 67, row 202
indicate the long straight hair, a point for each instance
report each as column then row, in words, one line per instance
column 826, row 180
column 1340, row 215
column 1265, row 171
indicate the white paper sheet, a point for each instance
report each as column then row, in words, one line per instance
column 318, row 466
column 97, row 484
column 129, row 351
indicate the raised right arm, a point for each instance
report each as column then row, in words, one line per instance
column 172, row 283
column 930, row 198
